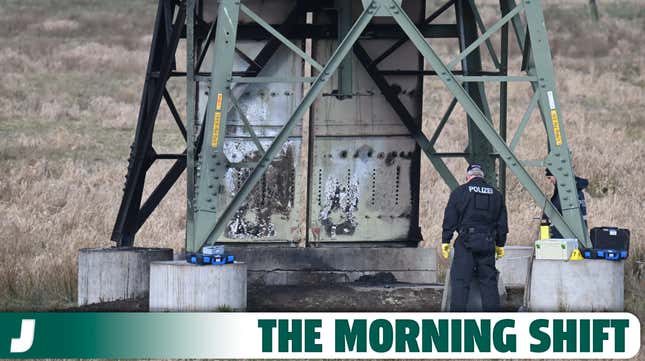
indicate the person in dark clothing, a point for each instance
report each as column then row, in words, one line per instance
column 477, row 211
column 581, row 184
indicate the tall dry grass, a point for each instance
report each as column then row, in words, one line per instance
column 71, row 79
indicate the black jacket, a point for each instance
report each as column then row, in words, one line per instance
column 476, row 204
column 581, row 184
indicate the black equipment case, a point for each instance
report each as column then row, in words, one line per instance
column 610, row 238
column 610, row 243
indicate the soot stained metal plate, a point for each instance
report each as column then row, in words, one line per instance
column 271, row 213
column 361, row 189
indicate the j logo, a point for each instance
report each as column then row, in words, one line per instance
column 23, row 344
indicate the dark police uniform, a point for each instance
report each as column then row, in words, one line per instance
column 581, row 184
column 477, row 211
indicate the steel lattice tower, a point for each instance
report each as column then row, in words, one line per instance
column 248, row 88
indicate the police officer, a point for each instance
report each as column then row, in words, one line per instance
column 581, row 184
column 477, row 211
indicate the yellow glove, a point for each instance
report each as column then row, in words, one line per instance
column 499, row 252
column 445, row 250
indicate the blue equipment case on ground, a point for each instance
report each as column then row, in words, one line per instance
column 608, row 254
column 204, row 259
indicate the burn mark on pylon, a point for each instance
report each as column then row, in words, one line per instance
column 272, row 196
column 338, row 214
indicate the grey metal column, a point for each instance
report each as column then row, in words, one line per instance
column 324, row 76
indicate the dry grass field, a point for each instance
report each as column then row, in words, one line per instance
column 72, row 73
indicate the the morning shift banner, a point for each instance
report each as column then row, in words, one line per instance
column 319, row 335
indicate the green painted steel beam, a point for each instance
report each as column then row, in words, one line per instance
column 316, row 88
column 478, row 147
column 503, row 97
column 293, row 47
column 457, row 155
column 559, row 158
column 271, row 79
column 495, row 78
column 525, row 120
column 516, row 22
column 202, row 78
column 478, row 117
column 498, row 25
column 212, row 163
column 522, row 36
column 442, row 123
column 539, row 163
column 556, row 158
column 482, row 28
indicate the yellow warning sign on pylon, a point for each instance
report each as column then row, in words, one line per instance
column 556, row 127
column 216, row 123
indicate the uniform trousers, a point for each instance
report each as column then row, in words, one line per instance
column 466, row 265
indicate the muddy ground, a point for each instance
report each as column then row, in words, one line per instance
column 349, row 297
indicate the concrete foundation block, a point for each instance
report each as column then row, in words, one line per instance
column 110, row 274
column 514, row 266
column 577, row 286
column 292, row 265
column 178, row 286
